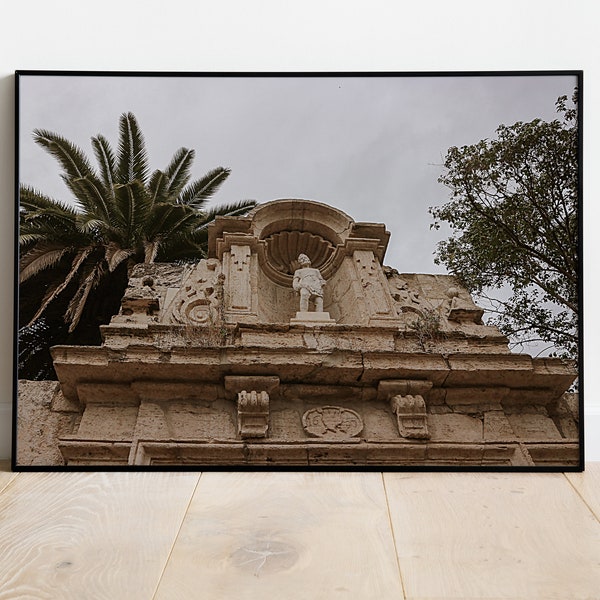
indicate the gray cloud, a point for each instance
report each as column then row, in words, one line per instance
column 371, row 146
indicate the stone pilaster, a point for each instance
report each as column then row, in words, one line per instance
column 240, row 292
column 237, row 252
column 372, row 283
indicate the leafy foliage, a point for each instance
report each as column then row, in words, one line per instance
column 74, row 257
column 513, row 212
column 33, row 354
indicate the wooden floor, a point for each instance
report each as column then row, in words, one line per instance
column 304, row 536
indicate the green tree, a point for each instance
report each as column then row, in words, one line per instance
column 513, row 215
column 75, row 256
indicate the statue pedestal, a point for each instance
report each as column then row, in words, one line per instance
column 312, row 318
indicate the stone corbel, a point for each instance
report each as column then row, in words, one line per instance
column 407, row 401
column 253, row 414
column 252, row 406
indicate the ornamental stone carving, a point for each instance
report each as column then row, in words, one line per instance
column 309, row 283
column 411, row 414
column 199, row 299
column 332, row 422
column 407, row 403
column 406, row 298
column 253, row 406
column 253, row 414
column 462, row 308
column 284, row 247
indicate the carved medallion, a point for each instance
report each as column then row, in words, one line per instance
column 333, row 422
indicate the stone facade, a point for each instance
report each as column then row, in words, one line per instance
column 213, row 364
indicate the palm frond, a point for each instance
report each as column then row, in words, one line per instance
column 151, row 250
column 233, row 209
column 31, row 199
column 40, row 258
column 88, row 224
column 77, row 303
column 55, row 227
column 73, row 161
column 158, row 186
column 51, row 230
column 26, row 239
column 178, row 171
column 168, row 219
column 92, row 197
column 77, row 262
column 188, row 240
column 115, row 255
column 43, row 219
column 132, row 205
column 106, row 159
column 191, row 246
column 132, row 162
column 198, row 192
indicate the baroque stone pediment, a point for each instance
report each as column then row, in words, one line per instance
column 213, row 363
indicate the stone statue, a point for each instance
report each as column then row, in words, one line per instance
column 309, row 283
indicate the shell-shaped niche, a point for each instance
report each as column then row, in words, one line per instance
column 284, row 247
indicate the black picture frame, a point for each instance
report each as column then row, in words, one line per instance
column 281, row 121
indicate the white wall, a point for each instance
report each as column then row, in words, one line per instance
column 230, row 35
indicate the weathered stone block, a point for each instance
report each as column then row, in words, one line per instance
column 455, row 428
column 107, row 422
column 496, row 427
column 534, row 427
column 38, row 428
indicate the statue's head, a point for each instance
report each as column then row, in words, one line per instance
column 303, row 259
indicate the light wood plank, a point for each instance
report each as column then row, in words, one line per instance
column 292, row 536
column 89, row 535
column 587, row 485
column 494, row 535
column 5, row 474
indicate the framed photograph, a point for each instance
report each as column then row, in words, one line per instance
column 298, row 271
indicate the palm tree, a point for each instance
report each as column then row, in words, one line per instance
column 74, row 259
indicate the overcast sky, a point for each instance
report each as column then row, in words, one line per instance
column 372, row 147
